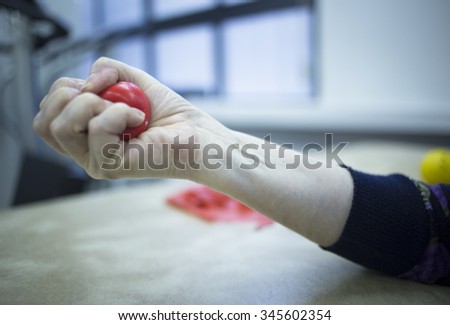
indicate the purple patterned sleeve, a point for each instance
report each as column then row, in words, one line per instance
column 398, row 226
column 435, row 264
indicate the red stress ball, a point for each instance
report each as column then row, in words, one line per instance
column 130, row 94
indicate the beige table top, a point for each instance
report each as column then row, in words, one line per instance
column 126, row 246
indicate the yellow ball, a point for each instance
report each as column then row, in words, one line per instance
column 435, row 166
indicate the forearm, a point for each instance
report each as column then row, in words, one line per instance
column 387, row 223
column 312, row 202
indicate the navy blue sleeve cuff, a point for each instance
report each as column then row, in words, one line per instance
column 388, row 227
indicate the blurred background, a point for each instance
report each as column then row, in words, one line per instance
column 295, row 69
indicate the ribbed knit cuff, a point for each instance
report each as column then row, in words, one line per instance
column 388, row 227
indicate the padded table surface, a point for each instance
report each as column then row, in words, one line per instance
column 126, row 246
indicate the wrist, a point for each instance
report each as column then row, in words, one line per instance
column 215, row 157
column 230, row 162
column 314, row 202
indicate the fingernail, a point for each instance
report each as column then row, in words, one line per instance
column 139, row 114
column 88, row 82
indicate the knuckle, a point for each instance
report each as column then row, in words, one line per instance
column 56, row 128
column 87, row 98
column 102, row 61
column 60, row 82
column 66, row 82
column 95, row 126
column 87, row 101
column 66, row 94
column 120, row 107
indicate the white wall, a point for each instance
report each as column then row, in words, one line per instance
column 392, row 54
column 383, row 68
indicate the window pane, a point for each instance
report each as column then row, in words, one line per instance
column 268, row 53
column 164, row 8
column 184, row 58
column 120, row 12
column 130, row 51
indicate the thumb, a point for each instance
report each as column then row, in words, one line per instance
column 106, row 72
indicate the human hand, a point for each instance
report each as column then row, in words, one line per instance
column 76, row 122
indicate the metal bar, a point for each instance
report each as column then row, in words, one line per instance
column 149, row 39
column 315, row 52
column 219, row 59
column 221, row 13
column 34, row 12
column 23, row 82
column 29, row 9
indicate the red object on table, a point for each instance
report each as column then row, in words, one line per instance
column 213, row 206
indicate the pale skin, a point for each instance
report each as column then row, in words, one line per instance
column 77, row 123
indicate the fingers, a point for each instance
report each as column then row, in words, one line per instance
column 76, row 122
column 69, row 129
column 73, row 122
column 51, row 107
column 106, row 72
column 63, row 83
column 163, row 101
column 88, row 122
column 105, row 128
column 66, row 82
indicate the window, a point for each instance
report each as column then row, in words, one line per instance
column 234, row 48
column 230, row 48
column 184, row 59
column 268, row 53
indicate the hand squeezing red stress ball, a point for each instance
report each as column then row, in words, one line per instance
column 130, row 94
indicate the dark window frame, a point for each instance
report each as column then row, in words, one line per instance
column 100, row 41
column 216, row 16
